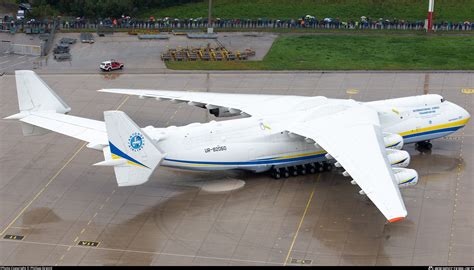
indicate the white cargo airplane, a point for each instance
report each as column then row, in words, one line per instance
column 286, row 135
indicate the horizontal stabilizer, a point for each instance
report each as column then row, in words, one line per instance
column 112, row 162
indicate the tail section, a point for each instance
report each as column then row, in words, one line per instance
column 34, row 95
column 131, row 152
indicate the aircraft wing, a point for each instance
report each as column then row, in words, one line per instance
column 353, row 137
column 249, row 104
column 88, row 130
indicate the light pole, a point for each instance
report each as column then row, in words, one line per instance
column 209, row 25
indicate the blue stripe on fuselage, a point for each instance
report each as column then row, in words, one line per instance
column 433, row 132
column 255, row 162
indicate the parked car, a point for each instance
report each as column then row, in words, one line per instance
column 62, row 56
column 61, row 48
column 87, row 38
column 67, row 40
column 110, row 65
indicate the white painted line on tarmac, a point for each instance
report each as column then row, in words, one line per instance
column 14, row 65
column 4, row 62
column 23, row 56
column 147, row 252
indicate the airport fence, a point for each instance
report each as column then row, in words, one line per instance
column 162, row 24
column 270, row 24
column 23, row 49
column 5, row 46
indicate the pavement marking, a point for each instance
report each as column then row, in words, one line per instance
column 84, row 242
column 14, row 65
column 52, row 178
column 4, row 62
column 145, row 252
column 19, row 227
column 13, row 237
column 458, row 179
column 88, row 243
column 120, row 106
column 352, row 91
column 91, row 243
column 464, row 90
column 44, row 188
column 301, row 222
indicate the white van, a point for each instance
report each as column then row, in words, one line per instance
column 20, row 15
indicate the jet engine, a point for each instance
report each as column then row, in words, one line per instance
column 393, row 141
column 405, row 177
column 224, row 112
column 398, row 158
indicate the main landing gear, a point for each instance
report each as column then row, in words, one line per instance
column 303, row 169
column 424, row 146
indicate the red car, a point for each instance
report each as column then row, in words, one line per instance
column 110, row 65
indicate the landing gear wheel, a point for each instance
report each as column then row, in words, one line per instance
column 319, row 167
column 429, row 146
column 284, row 172
column 293, row 171
column 301, row 170
column 310, row 168
column 327, row 167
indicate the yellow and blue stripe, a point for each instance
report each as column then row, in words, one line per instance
column 263, row 161
column 449, row 127
column 407, row 180
column 117, row 154
column 313, row 155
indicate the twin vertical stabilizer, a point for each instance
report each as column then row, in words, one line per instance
column 131, row 152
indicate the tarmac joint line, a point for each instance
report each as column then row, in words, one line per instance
column 52, row 179
column 308, row 203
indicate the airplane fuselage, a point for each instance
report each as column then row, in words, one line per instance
column 258, row 144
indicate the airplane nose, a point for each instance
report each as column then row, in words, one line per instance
column 465, row 114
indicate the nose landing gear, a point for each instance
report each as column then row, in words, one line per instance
column 424, row 146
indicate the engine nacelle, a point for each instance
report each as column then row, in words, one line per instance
column 405, row 177
column 393, row 141
column 224, row 112
column 398, row 158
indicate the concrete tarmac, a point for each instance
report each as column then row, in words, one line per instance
column 57, row 209
column 139, row 56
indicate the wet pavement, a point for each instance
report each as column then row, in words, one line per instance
column 55, row 208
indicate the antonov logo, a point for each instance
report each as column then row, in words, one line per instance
column 136, row 141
